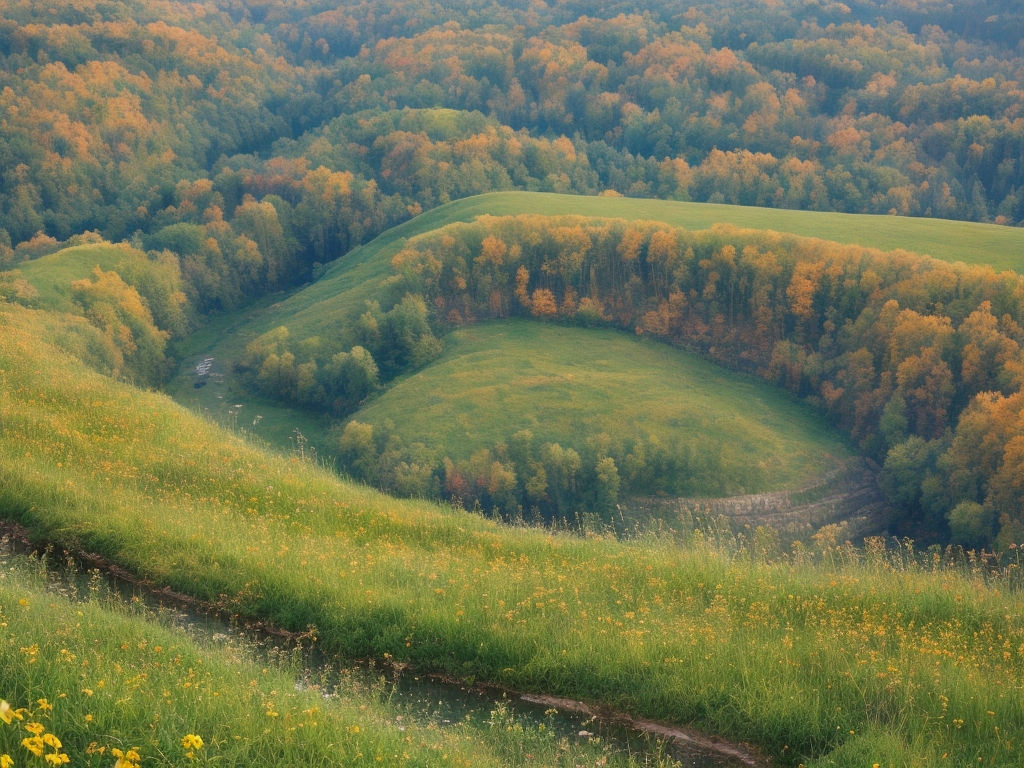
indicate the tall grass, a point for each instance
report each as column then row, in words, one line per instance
column 837, row 660
column 102, row 674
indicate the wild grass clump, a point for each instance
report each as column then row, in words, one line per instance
column 841, row 657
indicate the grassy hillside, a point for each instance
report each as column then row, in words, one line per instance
column 116, row 676
column 567, row 385
column 351, row 281
column 52, row 275
column 823, row 665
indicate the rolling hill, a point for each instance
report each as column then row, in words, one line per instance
column 326, row 306
column 744, row 642
column 569, row 385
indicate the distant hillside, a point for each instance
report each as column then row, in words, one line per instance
column 349, row 282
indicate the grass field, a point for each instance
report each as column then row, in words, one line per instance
column 116, row 676
column 569, row 384
column 859, row 659
column 52, row 275
column 348, row 283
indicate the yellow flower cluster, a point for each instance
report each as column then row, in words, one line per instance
column 193, row 743
column 129, row 759
column 47, row 746
column 39, row 742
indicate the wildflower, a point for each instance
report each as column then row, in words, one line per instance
column 129, row 759
column 45, row 705
column 8, row 713
column 35, row 728
column 33, row 745
column 192, row 741
column 52, row 741
column 6, row 761
column 57, row 758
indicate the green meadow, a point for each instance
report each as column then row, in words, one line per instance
column 52, row 275
column 347, row 284
column 568, row 385
column 829, row 657
column 113, row 675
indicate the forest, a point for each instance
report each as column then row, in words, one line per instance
column 233, row 133
column 236, row 148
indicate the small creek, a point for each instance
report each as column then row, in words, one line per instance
column 425, row 699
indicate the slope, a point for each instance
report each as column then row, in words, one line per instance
column 569, row 385
column 347, row 284
column 797, row 658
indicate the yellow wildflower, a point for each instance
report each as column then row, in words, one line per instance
column 6, row 761
column 7, row 713
column 192, row 741
column 57, row 758
column 45, row 705
column 33, row 745
column 35, row 728
column 129, row 759
column 50, row 740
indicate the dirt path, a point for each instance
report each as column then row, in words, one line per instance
column 674, row 733
column 849, row 497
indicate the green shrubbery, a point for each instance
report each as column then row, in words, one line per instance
column 521, row 479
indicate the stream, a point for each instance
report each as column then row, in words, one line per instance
column 424, row 699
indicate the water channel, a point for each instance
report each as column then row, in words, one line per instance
column 426, row 699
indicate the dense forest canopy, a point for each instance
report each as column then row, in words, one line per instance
column 129, row 117
column 232, row 148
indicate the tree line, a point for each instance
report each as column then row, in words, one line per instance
column 918, row 360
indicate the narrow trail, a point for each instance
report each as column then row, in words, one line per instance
column 848, row 497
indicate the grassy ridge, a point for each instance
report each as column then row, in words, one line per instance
column 827, row 665
column 52, row 275
column 353, row 279
column 570, row 384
